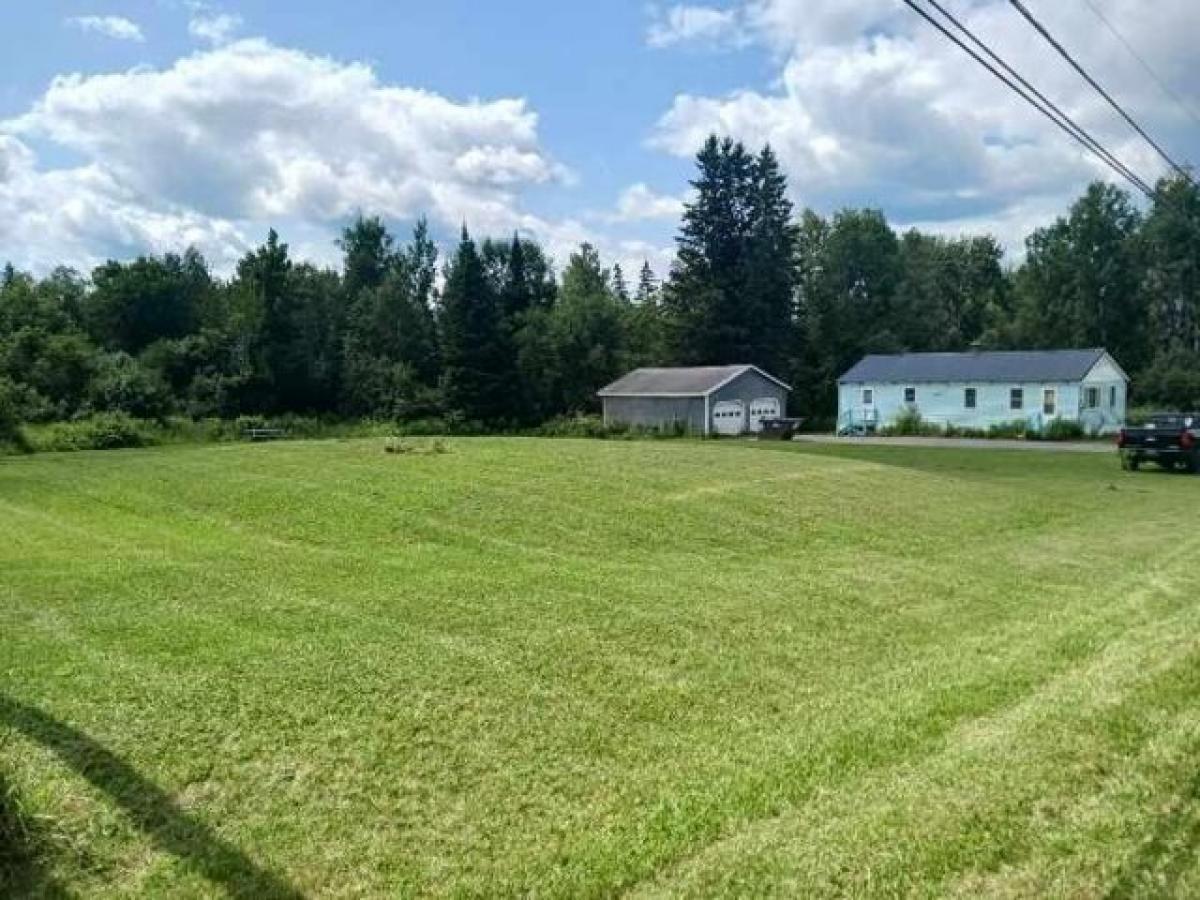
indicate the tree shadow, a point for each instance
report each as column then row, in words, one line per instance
column 23, row 852
column 1157, row 867
column 150, row 808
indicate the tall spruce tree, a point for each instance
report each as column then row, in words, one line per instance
column 647, row 289
column 619, row 288
column 770, row 279
column 263, row 279
column 644, row 322
column 477, row 362
column 731, row 279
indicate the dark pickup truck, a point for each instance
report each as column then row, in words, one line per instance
column 1172, row 440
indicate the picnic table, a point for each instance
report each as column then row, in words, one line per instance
column 264, row 434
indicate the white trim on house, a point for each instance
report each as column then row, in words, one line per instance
column 735, row 376
column 712, row 390
column 1106, row 357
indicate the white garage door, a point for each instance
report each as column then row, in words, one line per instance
column 729, row 417
column 763, row 408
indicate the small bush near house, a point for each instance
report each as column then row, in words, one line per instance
column 910, row 424
column 1014, row 430
column 1060, row 430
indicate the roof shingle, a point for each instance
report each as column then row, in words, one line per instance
column 984, row 365
column 695, row 381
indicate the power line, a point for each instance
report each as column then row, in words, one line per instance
column 1041, row 29
column 1077, row 130
column 1166, row 88
column 1087, row 141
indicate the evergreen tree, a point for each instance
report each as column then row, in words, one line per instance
column 644, row 322
column 391, row 354
column 619, row 288
column 369, row 255
column 769, row 286
column 277, row 354
column 704, row 298
column 420, row 262
column 647, row 289
column 730, row 295
column 478, row 367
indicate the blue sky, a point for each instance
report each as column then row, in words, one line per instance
column 129, row 126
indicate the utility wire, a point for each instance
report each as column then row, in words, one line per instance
column 1166, row 88
column 1077, row 130
column 1041, row 29
column 1119, row 168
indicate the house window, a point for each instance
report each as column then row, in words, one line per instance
column 868, row 397
column 910, row 395
column 1091, row 397
column 1016, row 399
column 969, row 398
column 1112, row 396
column 1049, row 401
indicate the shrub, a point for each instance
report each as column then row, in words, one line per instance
column 103, row 431
column 1061, row 430
column 578, row 426
column 1016, row 429
column 122, row 384
column 910, row 424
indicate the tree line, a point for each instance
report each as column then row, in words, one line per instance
column 497, row 335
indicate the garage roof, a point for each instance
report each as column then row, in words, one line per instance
column 694, row 381
column 1002, row 365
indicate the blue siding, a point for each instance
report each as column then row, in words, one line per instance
column 945, row 403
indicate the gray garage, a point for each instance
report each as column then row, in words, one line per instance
column 702, row 399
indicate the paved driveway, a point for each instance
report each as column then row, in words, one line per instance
column 1102, row 446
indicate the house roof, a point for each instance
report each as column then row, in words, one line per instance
column 696, row 381
column 983, row 365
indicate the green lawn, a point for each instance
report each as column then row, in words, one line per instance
column 570, row 668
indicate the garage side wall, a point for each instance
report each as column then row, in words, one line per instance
column 655, row 412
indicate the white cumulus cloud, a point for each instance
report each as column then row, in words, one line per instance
column 639, row 202
column 872, row 106
column 230, row 140
column 116, row 27
column 684, row 24
column 214, row 27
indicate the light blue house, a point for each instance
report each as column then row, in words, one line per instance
column 978, row 389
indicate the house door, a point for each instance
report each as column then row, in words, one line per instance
column 729, row 417
column 763, row 408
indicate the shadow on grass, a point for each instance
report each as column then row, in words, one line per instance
column 1157, row 867
column 149, row 807
column 22, row 852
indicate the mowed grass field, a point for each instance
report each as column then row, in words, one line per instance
column 572, row 669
